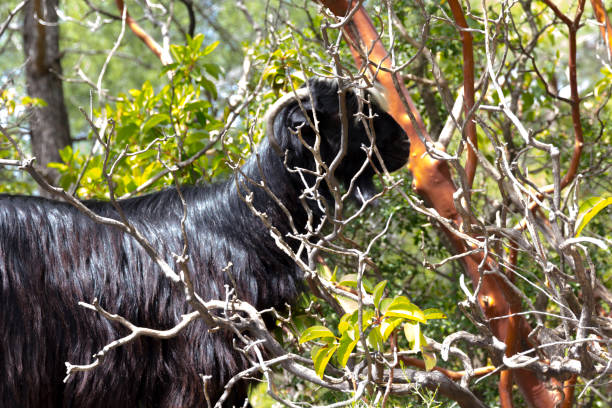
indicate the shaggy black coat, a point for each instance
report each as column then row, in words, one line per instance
column 52, row 256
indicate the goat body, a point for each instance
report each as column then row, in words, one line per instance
column 53, row 256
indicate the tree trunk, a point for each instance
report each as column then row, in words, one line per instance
column 49, row 127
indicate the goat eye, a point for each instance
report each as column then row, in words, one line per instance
column 297, row 124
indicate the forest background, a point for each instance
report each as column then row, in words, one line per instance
column 508, row 102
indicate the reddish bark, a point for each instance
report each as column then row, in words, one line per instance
column 453, row 375
column 432, row 181
column 140, row 33
column 505, row 389
column 468, row 90
column 573, row 27
column 604, row 20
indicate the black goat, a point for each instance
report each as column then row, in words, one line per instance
column 52, row 256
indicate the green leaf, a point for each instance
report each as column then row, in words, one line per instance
column 587, row 216
column 129, row 183
column 349, row 280
column 422, row 340
column 343, row 326
column 201, row 117
column 169, row 67
column 315, row 332
column 322, row 357
column 375, row 339
column 196, row 138
column 59, row 166
column 210, row 48
column 430, row 359
column 177, row 52
column 527, row 100
column 314, row 350
column 126, row 131
column 412, row 331
column 196, row 42
column 431, row 314
column 334, row 278
column 213, row 70
column 93, row 174
column 269, row 72
column 37, row 102
column 348, row 321
column 198, row 105
column 349, row 305
column 384, row 304
column 66, row 154
column 324, row 272
column 388, row 325
column 154, row 121
column 367, row 317
column 209, row 86
column 378, row 292
column 345, row 348
column 402, row 307
column 367, row 285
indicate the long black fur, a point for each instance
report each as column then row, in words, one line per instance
column 52, row 256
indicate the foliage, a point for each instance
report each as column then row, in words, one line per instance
column 592, row 207
column 377, row 325
column 149, row 131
